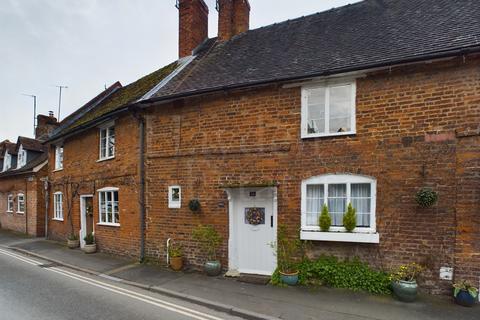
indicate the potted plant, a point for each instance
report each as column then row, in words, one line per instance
column 73, row 241
column 465, row 294
column 176, row 257
column 350, row 218
column 426, row 197
column 194, row 205
column 210, row 241
column 287, row 251
column 90, row 245
column 404, row 282
column 325, row 221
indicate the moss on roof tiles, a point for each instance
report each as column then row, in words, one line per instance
column 126, row 95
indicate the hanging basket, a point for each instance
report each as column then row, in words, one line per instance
column 194, row 205
column 426, row 198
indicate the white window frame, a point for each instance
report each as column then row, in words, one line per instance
column 19, row 202
column 58, row 206
column 173, row 204
column 328, row 85
column 10, row 203
column 105, row 191
column 21, row 157
column 59, row 158
column 360, row 234
column 7, row 161
column 106, row 128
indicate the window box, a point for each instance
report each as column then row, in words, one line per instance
column 329, row 109
column 340, row 236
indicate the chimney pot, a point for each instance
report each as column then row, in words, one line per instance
column 233, row 18
column 193, row 25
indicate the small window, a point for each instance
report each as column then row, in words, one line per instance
column 58, row 206
column 174, row 197
column 10, row 203
column 107, row 143
column 20, row 203
column 59, row 158
column 328, row 110
column 7, row 162
column 108, row 204
column 21, row 158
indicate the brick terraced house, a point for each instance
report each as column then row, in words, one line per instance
column 23, row 172
column 364, row 104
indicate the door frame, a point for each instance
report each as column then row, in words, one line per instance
column 83, row 219
column 234, row 195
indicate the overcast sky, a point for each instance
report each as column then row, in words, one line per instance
column 87, row 44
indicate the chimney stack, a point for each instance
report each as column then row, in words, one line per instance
column 45, row 126
column 233, row 18
column 193, row 25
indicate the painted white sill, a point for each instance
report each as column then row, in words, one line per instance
column 340, row 236
column 108, row 224
column 9, row 211
column 322, row 135
column 105, row 159
column 57, row 170
column 174, row 206
column 57, row 219
column 21, row 212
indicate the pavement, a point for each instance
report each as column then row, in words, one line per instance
column 249, row 301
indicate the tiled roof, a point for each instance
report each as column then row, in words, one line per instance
column 363, row 35
column 120, row 97
column 30, row 144
column 28, row 168
column 366, row 34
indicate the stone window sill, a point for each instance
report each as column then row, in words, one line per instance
column 105, row 159
column 108, row 224
column 340, row 236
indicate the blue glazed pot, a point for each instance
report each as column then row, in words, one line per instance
column 213, row 268
column 465, row 299
column 290, row 279
column 405, row 291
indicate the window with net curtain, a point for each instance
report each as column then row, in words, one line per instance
column 337, row 191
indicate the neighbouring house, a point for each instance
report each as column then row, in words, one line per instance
column 24, row 168
column 364, row 104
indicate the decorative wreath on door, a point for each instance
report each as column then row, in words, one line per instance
column 255, row 216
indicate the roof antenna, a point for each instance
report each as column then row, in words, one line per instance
column 34, row 110
column 60, row 99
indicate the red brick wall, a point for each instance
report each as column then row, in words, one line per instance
column 193, row 25
column 33, row 220
column 82, row 168
column 406, row 123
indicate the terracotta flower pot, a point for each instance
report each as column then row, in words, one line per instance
column 176, row 263
column 90, row 248
column 72, row 244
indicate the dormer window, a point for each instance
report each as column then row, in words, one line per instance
column 7, row 161
column 107, row 142
column 59, row 158
column 21, row 157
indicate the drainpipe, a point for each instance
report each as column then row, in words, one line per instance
column 25, row 203
column 47, row 197
column 141, row 133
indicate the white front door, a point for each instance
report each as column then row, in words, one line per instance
column 254, row 221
